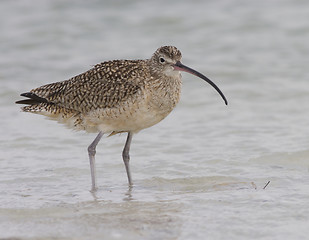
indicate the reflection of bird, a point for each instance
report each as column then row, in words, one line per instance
column 114, row 97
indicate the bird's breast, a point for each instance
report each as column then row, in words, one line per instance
column 151, row 104
column 163, row 94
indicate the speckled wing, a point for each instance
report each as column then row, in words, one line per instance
column 106, row 85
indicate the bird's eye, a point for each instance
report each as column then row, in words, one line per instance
column 162, row 60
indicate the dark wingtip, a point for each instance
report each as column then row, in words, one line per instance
column 28, row 95
column 27, row 101
column 32, row 99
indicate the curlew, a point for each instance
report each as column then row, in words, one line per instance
column 115, row 97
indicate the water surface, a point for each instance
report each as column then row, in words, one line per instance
column 201, row 171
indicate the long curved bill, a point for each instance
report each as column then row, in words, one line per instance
column 180, row 67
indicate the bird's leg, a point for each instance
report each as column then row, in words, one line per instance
column 91, row 153
column 126, row 157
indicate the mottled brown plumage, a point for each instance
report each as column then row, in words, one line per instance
column 114, row 96
column 110, row 90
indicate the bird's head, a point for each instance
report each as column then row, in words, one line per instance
column 166, row 60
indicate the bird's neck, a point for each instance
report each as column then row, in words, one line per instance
column 165, row 92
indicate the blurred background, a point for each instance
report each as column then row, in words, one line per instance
column 200, row 170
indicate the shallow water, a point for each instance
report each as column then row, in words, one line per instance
column 202, row 172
